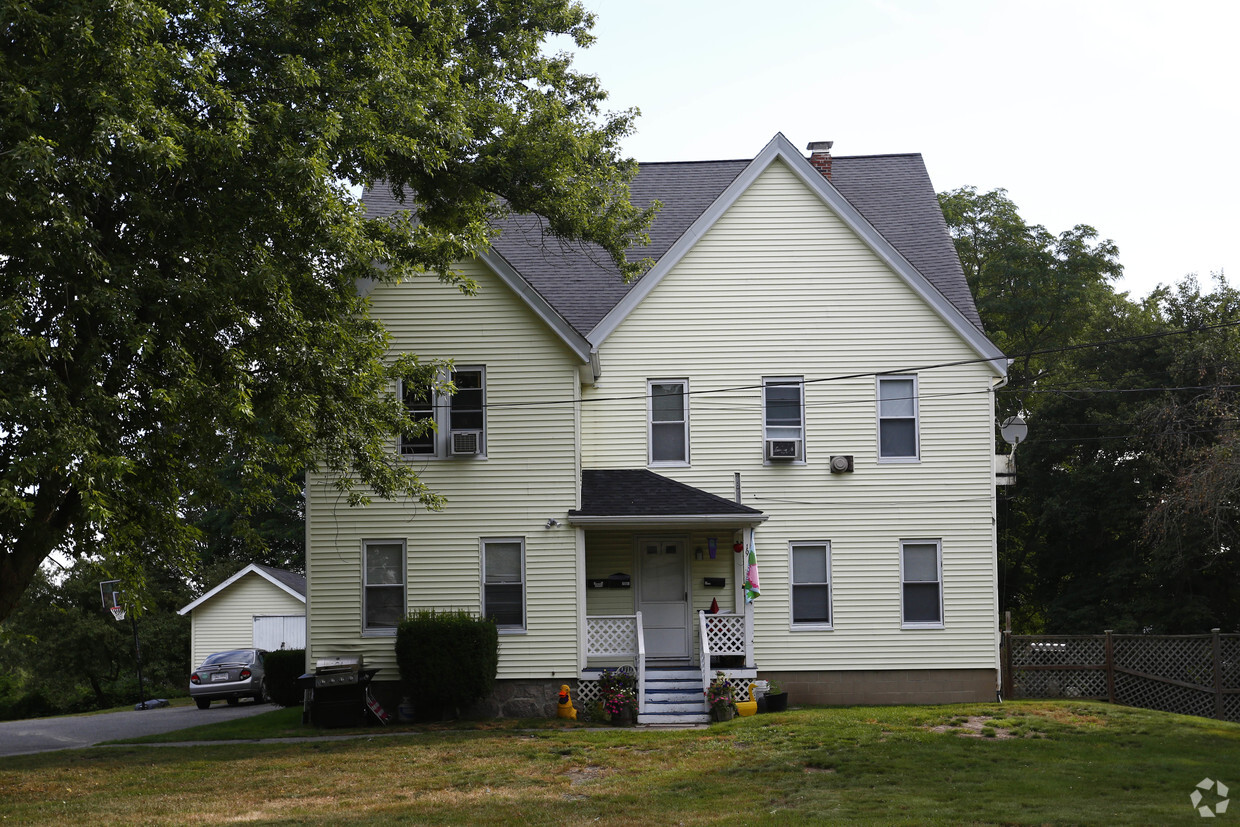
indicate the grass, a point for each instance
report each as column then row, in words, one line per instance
column 1017, row 763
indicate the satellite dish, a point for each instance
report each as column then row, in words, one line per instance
column 1014, row 430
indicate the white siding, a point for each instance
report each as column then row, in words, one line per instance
column 226, row 621
column 529, row 475
column 781, row 287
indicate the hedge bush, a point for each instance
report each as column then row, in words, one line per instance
column 283, row 668
column 447, row 660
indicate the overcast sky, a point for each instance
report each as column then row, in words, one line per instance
column 1121, row 115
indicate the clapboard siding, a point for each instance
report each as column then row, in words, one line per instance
column 781, row 287
column 226, row 621
column 530, row 474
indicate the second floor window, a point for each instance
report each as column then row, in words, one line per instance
column 459, row 420
column 897, row 418
column 669, row 422
column 783, row 418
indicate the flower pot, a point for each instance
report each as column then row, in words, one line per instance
column 777, row 703
column 624, row 717
column 722, row 713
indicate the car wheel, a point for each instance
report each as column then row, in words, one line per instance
column 203, row 703
column 264, row 694
column 234, row 701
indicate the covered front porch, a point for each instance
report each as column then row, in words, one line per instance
column 664, row 592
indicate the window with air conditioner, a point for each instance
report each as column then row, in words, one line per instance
column 783, row 411
column 668, row 421
column 453, row 425
column 897, row 419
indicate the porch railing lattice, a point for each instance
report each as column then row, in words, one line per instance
column 1187, row 674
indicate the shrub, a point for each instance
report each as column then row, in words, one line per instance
column 282, row 669
column 447, row 660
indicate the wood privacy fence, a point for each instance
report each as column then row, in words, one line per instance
column 1188, row 674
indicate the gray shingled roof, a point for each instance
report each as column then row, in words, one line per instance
column 638, row 492
column 892, row 192
column 296, row 582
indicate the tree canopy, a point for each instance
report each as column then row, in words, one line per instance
column 180, row 240
column 1124, row 513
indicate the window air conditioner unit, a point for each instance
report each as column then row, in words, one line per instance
column 465, row 443
column 783, row 449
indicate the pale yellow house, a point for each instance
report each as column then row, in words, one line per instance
column 802, row 374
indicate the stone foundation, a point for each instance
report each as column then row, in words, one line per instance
column 887, row 686
column 517, row 698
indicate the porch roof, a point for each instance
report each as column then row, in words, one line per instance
column 640, row 497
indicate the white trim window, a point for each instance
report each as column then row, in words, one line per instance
column 921, row 580
column 668, row 421
column 503, row 582
column 811, row 584
column 383, row 586
column 783, row 418
column 459, row 420
column 897, row 419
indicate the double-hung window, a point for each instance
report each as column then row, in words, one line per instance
column 811, row 584
column 921, row 573
column 503, row 582
column 897, row 419
column 456, row 424
column 383, row 585
column 783, row 417
column 668, row 436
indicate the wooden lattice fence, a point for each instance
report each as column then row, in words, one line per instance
column 1188, row 674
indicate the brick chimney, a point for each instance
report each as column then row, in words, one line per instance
column 820, row 157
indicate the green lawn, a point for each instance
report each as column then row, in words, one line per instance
column 1017, row 763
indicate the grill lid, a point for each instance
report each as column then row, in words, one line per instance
column 338, row 663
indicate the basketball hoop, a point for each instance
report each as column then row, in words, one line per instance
column 118, row 612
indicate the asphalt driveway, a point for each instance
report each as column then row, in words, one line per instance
column 74, row 732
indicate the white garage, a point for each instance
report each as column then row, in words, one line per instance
column 260, row 607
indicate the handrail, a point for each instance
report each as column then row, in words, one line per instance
column 704, row 652
column 641, row 666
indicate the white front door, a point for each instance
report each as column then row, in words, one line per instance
column 663, row 597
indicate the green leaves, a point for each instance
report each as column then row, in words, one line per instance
column 180, row 241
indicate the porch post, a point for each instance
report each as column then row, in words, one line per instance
column 582, row 626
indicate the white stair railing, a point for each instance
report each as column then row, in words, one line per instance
column 641, row 666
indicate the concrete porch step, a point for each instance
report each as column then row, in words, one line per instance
column 672, row 718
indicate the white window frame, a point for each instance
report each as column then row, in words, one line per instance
column 793, row 624
column 384, row 631
column 769, row 381
column 483, row 542
column 938, row 558
column 441, row 413
column 650, row 421
column 916, row 418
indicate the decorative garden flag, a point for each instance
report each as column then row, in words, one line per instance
column 752, row 589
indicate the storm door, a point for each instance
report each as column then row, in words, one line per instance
column 663, row 597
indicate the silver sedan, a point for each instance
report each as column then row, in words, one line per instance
column 230, row 676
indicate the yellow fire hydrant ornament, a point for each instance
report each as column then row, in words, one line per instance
column 565, row 707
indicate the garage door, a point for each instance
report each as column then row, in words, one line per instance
column 272, row 632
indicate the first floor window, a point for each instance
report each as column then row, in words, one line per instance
column 669, row 422
column 383, row 589
column 921, row 572
column 503, row 582
column 811, row 583
column 897, row 418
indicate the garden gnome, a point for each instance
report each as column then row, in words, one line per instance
column 565, row 708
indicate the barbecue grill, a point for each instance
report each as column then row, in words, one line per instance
column 335, row 692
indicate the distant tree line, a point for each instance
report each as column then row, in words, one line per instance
column 1125, row 514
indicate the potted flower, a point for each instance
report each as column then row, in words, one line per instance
column 720, row 698
column 776, row 697
column 618, row 695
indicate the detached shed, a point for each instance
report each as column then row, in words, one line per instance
column 260, row 607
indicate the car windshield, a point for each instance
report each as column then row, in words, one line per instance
column 235, row 656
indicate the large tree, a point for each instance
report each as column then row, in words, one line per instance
column 1125, row 511
column 180, row 239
